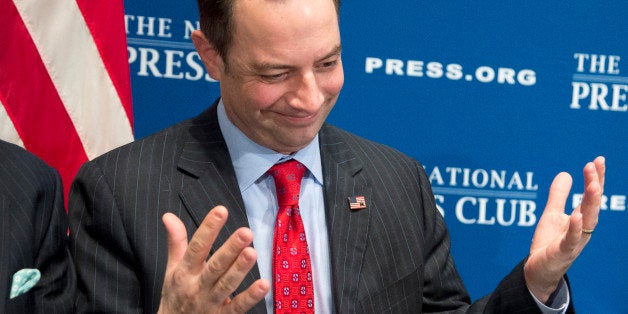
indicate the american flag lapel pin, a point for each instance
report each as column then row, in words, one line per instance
column 356, row 202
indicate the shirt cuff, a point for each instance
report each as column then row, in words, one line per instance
column 560, row 300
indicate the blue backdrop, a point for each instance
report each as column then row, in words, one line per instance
column 493, row 98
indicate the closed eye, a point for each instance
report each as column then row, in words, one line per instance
column 272, row 78
column 328, row 64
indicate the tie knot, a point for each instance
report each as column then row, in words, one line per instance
column 287, row 177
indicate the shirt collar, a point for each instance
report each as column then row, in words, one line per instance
column 251, row 160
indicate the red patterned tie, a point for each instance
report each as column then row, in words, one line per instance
column 292, row 270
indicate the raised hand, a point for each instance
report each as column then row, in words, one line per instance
column 559, row 238
column 193, row 284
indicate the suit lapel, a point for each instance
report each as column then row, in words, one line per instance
column 205, row 157
column 347, row 229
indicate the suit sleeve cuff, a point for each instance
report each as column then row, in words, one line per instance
column 558, row 301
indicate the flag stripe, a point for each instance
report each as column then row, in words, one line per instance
column 110, row 42
column 91, row 102
column 45, row 128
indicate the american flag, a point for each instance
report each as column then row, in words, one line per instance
column 357, row 202
column 65, row 91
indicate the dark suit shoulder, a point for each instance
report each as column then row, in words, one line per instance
column 24, row 174
column 15, row 159
column 173, row 132
column 361, row 147
column 167, row 141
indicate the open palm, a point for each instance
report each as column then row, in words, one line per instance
column 559, row 238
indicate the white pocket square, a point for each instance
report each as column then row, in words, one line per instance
column 24, row 280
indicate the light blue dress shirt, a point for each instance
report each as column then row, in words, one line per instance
column 251, row 162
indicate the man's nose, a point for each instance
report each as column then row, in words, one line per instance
column 307, row 93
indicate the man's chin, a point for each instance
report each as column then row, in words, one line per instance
column 294, row 143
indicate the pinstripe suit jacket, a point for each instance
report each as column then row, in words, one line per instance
column 33, row 226
column 392, row 256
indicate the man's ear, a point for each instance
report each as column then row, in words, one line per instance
column 210, row 57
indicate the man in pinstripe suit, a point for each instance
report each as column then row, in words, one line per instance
column 36, row 271
column 280, row 72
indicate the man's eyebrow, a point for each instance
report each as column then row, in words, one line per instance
column 264, row 66
column 334, row 52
